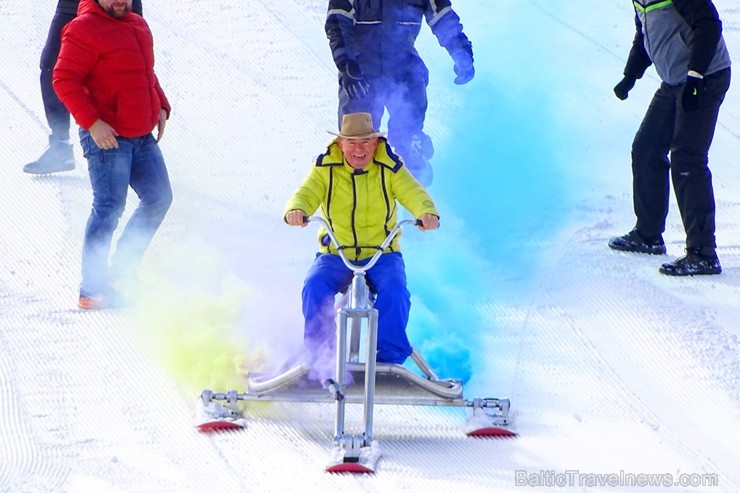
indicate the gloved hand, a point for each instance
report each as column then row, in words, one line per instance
column 353, row 81
column 465, row 71
column 624, row 87
column 692, row 90
column 461, row 50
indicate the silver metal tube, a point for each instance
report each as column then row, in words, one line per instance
column 341, row 373
column 372, row 347
column 359, row 295
column 423, row 365
column 355, row 332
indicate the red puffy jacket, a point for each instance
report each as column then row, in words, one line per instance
column 105, row 71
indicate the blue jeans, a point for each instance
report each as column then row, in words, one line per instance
column 328, row 275
column 137, row 162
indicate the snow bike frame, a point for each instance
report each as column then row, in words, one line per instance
column 396, row 384
column 358, row 306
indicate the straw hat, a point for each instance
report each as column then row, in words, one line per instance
column 357, row 126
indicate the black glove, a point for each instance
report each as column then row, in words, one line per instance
column 464, row 70
column 692, row 90
column 353, row 81
column 624, row 87
column 461, row 50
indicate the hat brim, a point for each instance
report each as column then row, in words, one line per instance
column 358, row 137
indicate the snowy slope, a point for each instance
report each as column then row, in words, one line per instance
column 611, row 367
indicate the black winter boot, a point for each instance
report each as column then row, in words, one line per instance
column 695, row 263
column 417, row 158
column 634, row 241
column 58, row 157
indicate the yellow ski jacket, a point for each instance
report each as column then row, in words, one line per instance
column 360, row 205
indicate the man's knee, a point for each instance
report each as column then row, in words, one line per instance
column 108, row 210
column 161, row 204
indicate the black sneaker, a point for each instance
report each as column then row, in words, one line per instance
column 635, row 242
column 58, row 157
column 694, row 263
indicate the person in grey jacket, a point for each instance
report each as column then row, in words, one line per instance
column 58, row 156
column 683, row 39
column 372, row 43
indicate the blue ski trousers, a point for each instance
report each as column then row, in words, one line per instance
column 387, row 279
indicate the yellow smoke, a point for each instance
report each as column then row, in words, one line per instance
column 192, row 321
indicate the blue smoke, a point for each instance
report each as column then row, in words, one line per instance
column 500, row 184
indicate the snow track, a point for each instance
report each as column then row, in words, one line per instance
column 609, row 365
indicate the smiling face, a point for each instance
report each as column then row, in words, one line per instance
column 116, row 8
column 358, row 152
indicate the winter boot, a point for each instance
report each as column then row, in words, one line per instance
column 422, row 171
column 634, row 241
column 695, row 263
column 58, row 157
column 420, row 152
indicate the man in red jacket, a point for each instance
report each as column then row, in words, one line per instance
column 58, row 156
column 105, row 77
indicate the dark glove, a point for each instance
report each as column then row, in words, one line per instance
column 353, row 81
column 624, row 87
column 692, row 90
column 464, row 71
column 461, row 50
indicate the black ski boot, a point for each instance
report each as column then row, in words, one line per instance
column 417, row 159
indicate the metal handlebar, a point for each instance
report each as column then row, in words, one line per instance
column 376, row 255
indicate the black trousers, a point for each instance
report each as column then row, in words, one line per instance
column 667, row 130
column 404, row 96
column 57, row 115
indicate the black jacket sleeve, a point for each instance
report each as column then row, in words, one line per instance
column 638, row 60
column 339, row 27
column 448, row 29
column 702, row 17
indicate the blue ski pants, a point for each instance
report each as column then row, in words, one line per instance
column 387, row 278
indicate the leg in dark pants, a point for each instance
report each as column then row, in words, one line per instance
column 373, row 102
column 405, row 97
column 650, row 165
column 407, row 107
column 692, row 180
column 56, row 113
column 59, row 156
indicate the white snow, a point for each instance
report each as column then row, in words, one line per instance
column 613, row 370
